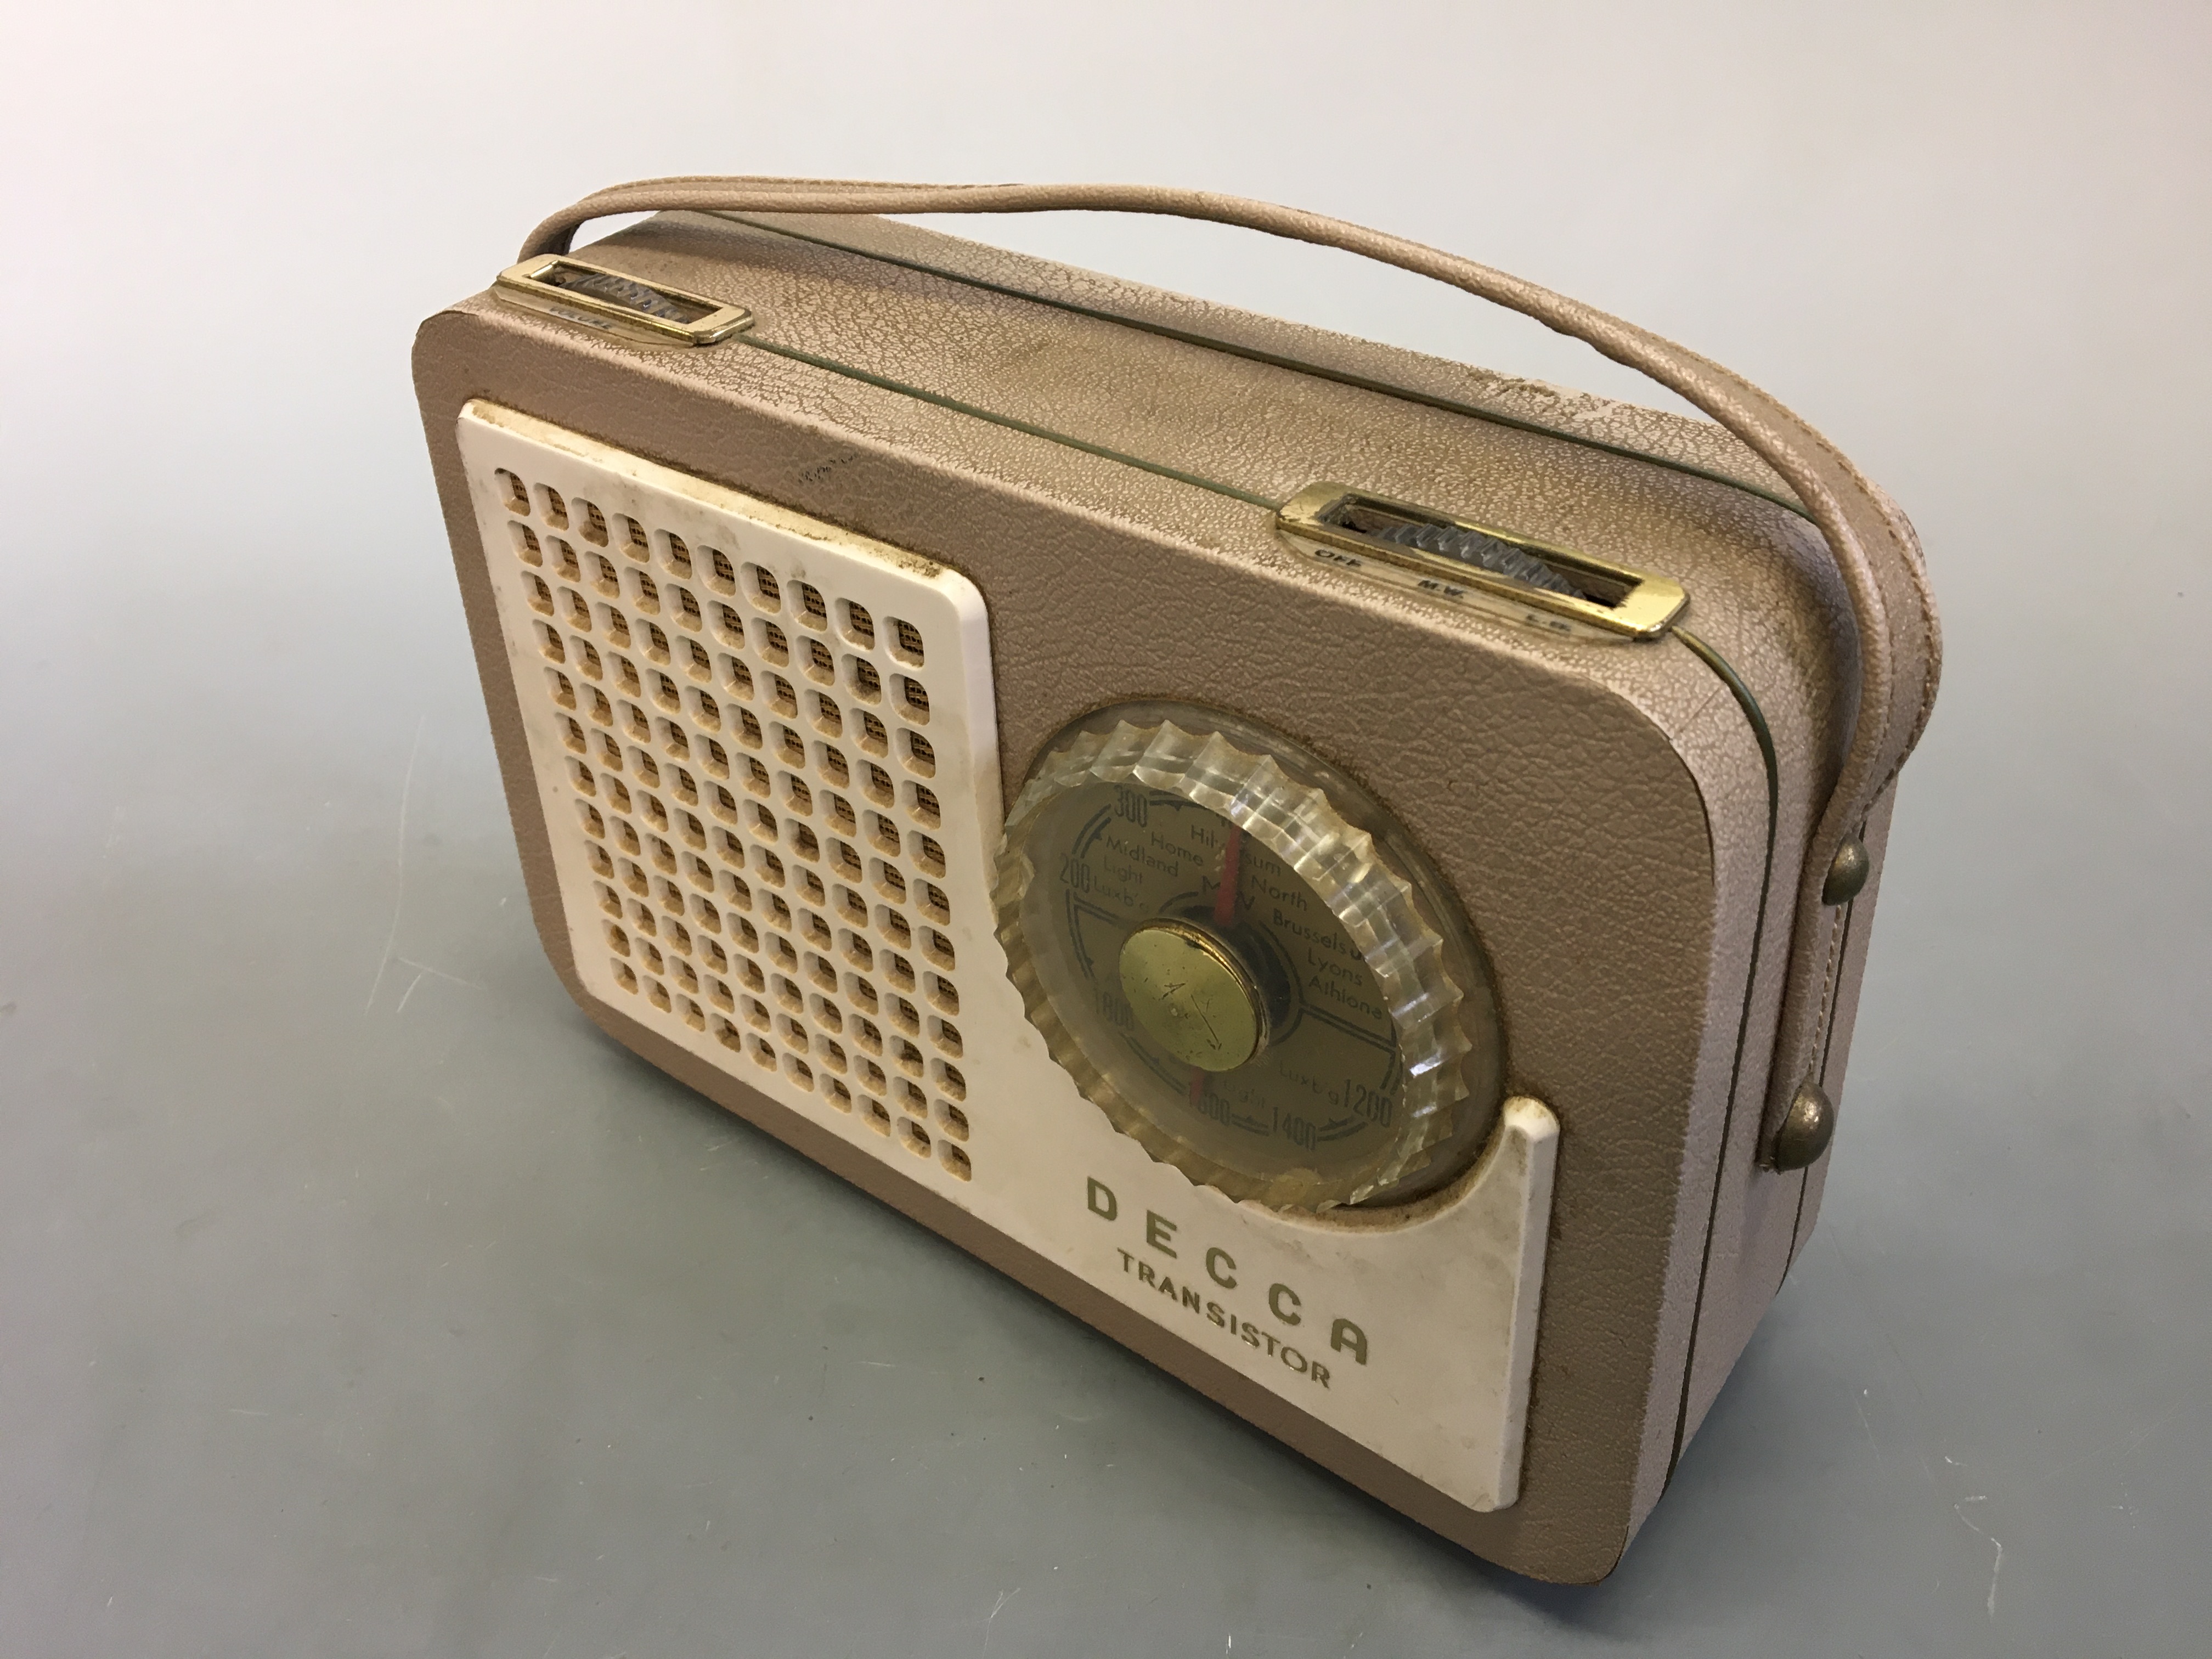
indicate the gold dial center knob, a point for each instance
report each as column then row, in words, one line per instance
column 1191, row 992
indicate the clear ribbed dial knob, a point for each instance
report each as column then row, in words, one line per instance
column 1245, row 962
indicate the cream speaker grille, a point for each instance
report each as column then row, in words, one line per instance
column 766, row 752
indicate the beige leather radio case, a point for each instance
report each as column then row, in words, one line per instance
column 815, row 562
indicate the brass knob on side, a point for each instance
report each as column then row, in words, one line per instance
column 1806, row 1128
column 1192, row 992
column 1847, row 874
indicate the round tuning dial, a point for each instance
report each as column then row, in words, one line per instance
column 1245, row 962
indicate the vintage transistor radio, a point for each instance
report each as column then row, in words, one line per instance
column 1346, row 872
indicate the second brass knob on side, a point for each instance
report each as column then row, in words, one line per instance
column 1806, row 1129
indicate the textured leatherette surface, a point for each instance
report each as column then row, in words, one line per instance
column 1602, row 809
column 1874, row 550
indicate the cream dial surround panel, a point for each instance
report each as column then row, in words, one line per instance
column 766, row 752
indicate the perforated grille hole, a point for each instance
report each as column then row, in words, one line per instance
column 764, row 880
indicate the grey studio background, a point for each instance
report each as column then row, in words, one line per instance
column 357, row 1298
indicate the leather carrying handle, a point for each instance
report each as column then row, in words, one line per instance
column 1875, row 548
